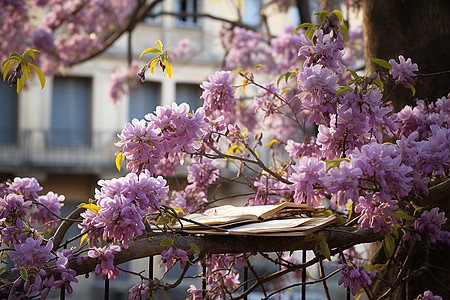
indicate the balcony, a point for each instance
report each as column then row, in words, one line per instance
column 45, row 151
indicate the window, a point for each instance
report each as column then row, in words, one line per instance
column 144, row 100
column 156, row 17
column 187, row 9
column 71, row 112
column 189, row 93
column 252, row 15
column 8, row 114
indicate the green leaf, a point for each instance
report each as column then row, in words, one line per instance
column 304, row 25
column 286, row 76
column 354, row 74
column 118, row 160
column 413, row 89
column 309, row 33
column 321, row 15
column 343, row 89
column 39, row 74
column 395, row 231
column 195, row 248
column 382, row 62
column 325, row 249
column 159, row 221
column 23, row 273
column 379, row 83
column 388, row 245
column 344, row 31
column 168, row 241
column 400, row 214
column 373, row 267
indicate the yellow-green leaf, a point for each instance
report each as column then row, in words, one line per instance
column 379, row 83
column 195, row 248
column 168, row 241
column 83, row 238
column 160, row 44
column 388, row 245
column 152, row 65
column 285, row 90
column 26, row 70
column 274, row 141
column 23, row 273
column 119, row 160
column 373, row 267
column 400, row 214
column 6, row 67
column 39, row 74
column 360, row 293
column 325, row 249
column 30, row 52
column 413, row 89
column 304, row 25
column 382, row 63
column 339, row 14
column 91, row 206
column 20, row 84
column 152, row 50
column 244, row 82
column 169, row 69
column 350, row 211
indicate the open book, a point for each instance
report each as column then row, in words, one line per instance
column 276, row 227
column 284, row 218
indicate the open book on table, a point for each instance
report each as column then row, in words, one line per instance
column 299, row 226
column 286, row 218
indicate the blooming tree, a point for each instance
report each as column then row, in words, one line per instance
column 373, row 168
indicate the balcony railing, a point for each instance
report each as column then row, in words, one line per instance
column 36, row 150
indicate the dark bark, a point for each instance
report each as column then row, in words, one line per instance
column 414, row 28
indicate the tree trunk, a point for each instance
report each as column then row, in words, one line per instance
column 414, row 28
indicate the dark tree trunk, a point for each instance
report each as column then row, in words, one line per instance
column 414, row 28
column 420, row 30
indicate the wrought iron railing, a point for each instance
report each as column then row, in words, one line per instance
column 43, row 150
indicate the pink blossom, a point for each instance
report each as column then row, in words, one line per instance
column 403, row 71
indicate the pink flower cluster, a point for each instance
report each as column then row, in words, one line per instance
column 171, row 254
column 218, row 94
column 429, row 225
column 123, row 82
column 105, row 257
column 355, row 278
column 123, row 202
column 403, row 70
column 169, row 132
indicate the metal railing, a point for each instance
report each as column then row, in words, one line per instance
column 63, row 151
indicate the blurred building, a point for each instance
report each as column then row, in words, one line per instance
column 64, row 135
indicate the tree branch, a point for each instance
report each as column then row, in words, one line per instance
column 338, row 238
